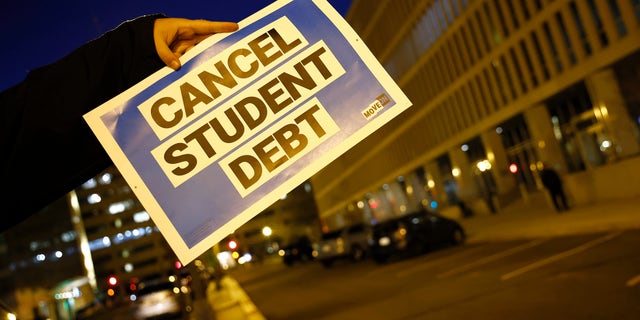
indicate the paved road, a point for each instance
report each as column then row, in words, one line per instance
column 586, row 276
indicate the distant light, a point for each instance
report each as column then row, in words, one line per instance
column 128, row 267
column 455, row 172
column 94, row 198
column 68, row 236
column 464, row 147
column 483, row 165
column 141, row 216
column 513, row 168
column 116, row 208
column 112, row 280
column 266, row 231
column 409, row 190
column 373, row 204
column 434, row 204
column 177, row 264
column 91, row 183
column 106, row 178
column 58, row 254
column 499, row 130
column 40, row 257
column 244, row 258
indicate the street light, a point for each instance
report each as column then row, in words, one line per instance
column 266, row 231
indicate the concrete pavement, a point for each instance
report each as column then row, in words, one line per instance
column 520, row 220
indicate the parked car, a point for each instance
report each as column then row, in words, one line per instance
column 346, row 243
column 412, row 234
column 158, row 299
column 299, row 250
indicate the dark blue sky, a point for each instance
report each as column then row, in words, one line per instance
column 38, row 32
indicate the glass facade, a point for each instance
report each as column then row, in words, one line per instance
column 535, row 73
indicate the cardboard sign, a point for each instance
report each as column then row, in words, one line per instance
column 250, row 116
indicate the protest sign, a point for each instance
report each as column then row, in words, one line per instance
column 249, row 116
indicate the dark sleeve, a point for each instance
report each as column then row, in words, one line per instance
column 47, row 147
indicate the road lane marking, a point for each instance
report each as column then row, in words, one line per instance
column 559, row 256
column 490, row 258
column 633, row 281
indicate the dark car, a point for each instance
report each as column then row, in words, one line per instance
column 413, row 234
column 299, row 250
column 159, row 299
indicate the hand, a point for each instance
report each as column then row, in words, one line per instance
column 175, row 36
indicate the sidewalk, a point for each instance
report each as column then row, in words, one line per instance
column 230, row 302
column 538, row 218
column 520, row 220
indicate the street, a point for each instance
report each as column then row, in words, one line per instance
column 588, row 276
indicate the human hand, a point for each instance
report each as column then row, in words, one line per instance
column 173, row 37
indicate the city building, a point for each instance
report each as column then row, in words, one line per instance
column 124, row 243
column 499, row 88
column 293, row 216
column 35, row 256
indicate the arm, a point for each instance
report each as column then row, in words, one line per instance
column 48, row 149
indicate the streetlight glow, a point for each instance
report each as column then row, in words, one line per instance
column 266, row 231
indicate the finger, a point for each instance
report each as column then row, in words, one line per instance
column 166, row 54
column 206, row 27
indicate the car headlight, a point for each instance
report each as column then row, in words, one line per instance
column 384, row 241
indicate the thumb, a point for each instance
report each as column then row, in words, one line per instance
column 166, row 55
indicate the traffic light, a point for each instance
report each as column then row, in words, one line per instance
column 112, row 282
column 233, row 245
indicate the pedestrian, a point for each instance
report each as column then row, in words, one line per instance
column 48, row 149
column 553, row 183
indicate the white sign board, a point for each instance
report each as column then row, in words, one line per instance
column 250, row 116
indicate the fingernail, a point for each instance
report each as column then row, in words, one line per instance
column 175, row 65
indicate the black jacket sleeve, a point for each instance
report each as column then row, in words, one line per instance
column 47, row 147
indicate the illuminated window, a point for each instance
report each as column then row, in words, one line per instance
column 94, row 198
column 141, row 216
column 119, row 207
column 91, row 183
column 106, row 178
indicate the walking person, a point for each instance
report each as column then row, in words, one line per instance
column 553, row 183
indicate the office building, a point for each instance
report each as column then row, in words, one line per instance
column 499, row 88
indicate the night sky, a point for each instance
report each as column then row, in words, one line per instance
column 38, row 32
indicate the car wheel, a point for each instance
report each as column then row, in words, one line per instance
column 458, row 236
